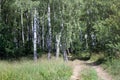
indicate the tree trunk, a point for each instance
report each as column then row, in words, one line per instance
column 39, row 34
column 23, row 39
column 28, row 28
column 49, row 32
column 32, row 24
column 35, row 36
column 43, row 43
column 65, row 55
column 58, row 36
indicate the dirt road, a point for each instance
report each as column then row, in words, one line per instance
column 78, row 66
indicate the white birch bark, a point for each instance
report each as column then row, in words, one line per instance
column 35, row 36
column 58, row 37
column 49, row 31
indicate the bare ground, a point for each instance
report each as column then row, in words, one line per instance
column 102, row 73
column 78, row 66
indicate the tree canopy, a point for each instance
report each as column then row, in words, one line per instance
column 62, row 26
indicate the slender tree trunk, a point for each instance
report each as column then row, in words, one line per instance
column 49, row 31
column 64, row 42
column 81, row 35
column 43, row 43
column 63, row 37
column 39, row 34
column 23, row 39
column 28, row 28
column 35, row 36
column 58, row 37
column 32, row 20
column 65, row 55
column 68, row 51
column 14, row 33
column 27, row 32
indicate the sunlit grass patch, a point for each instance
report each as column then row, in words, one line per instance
column 88, row 74
column 41, row 70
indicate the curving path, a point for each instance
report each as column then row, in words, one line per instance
column 78, row 66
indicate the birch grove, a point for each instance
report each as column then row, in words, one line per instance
column 58, row 27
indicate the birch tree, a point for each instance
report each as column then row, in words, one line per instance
column 49, row 31
column 35, row 35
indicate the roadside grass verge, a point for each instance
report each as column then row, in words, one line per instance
column 29, row 70
column 88, row 74
column 113, row 67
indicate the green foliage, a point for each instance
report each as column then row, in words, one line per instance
column 79, row 17
column 113, row 67
column 28, row 70
column 6, row 45
column 101, row 18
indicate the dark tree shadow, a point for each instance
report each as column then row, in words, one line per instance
column 96, row 63
column 82, row 58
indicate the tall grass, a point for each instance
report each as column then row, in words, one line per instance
column 41, row 70
column 89, row 74
column 113, row 67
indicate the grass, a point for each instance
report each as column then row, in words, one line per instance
column 89, row 74
column 113, row 67
column 41, row 70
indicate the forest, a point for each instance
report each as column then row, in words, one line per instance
column 37, row 34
